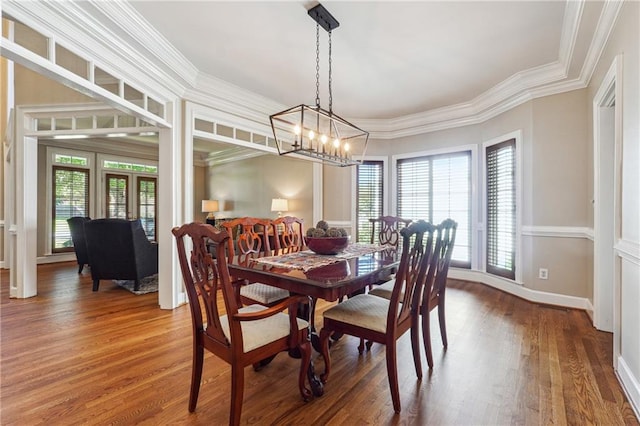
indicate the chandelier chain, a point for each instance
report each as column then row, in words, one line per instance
column 330, row 92
column 317, row 65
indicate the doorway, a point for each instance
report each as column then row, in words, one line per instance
column 607, row 214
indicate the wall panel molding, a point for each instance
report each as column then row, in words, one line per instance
column 630, row 385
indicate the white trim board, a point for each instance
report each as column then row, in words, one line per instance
column 518, row 290
column 558, row 231
column 630, row 385
column 628, row 250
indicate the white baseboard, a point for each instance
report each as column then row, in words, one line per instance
column 521, row 291
column 630, row 385
column 55, row 258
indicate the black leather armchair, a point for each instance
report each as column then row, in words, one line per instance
column 76, row 227
column 119, row 250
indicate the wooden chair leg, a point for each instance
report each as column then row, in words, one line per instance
column 80, row 268
column 136, row 285
column 443, row 325
column 324, row 346
column 392, row 373
column 305, row 351
column 96, row 284
column 237, row 392
column 196, row 376
column 415, row 346
column 426, row 336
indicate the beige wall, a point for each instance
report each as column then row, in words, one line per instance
column 336, row 193
column 560, row 150
column 554, row 174
column 199, row 192
column 247, row 187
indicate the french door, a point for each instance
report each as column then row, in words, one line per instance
column 132, row 196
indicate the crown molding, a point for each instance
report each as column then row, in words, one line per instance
column 164, row 70
column 607, row 20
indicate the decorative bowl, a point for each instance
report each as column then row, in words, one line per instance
column 327, row 245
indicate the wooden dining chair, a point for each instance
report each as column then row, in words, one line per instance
column 436, row 285
column 253, row 239
column 241, row 336
column 388, row 229
column 289, row 231
column 385, row 320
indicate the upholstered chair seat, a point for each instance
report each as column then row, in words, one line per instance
column 261, row 332
column 262, row 293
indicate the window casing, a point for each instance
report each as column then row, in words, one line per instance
column 501, row 209
column 369, row 197
column 437, row 187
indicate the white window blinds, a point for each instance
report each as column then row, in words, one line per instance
column 435, row 188
column 501, row 209
column 369, row 201
column 70, row 198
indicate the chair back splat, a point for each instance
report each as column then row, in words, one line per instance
column 241, row 336
column 253, row 238
column 289, row 231
column 388, row 229
column 384, row 320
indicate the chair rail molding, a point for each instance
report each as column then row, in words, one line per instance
column 558, row 231
column 628, row 250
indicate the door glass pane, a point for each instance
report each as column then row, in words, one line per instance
column 117, row 206
column 147, row 205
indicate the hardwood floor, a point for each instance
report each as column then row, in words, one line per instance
column 73, row 356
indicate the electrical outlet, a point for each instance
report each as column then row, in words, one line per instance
column 543, row 273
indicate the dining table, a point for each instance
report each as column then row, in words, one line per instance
column 327, row 277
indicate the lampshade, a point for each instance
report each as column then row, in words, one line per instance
column 279, row 205
column 209, row 206
column 312, row 131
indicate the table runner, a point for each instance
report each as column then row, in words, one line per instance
column 307, row 259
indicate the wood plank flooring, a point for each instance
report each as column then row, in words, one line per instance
column 72, row 356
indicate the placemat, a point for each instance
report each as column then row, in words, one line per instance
column 307, row 259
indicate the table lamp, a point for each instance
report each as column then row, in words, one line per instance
column 279, row 205
column 209, row 207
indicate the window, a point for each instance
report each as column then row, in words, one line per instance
column 147, row 205
column 501, row 208
column 70, row 198
column 368, row 197
column 437, row 187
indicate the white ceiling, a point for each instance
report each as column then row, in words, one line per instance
column 390, row 59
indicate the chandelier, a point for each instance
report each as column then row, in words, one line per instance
column 315, row 132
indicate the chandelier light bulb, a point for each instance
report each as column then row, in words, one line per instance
column 323, row 139
column 296, row 130
column 346, row 147
column 336, row 143
column 311, row 134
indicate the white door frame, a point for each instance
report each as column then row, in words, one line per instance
column 607, row 140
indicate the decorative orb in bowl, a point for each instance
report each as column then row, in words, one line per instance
column 327, row 245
